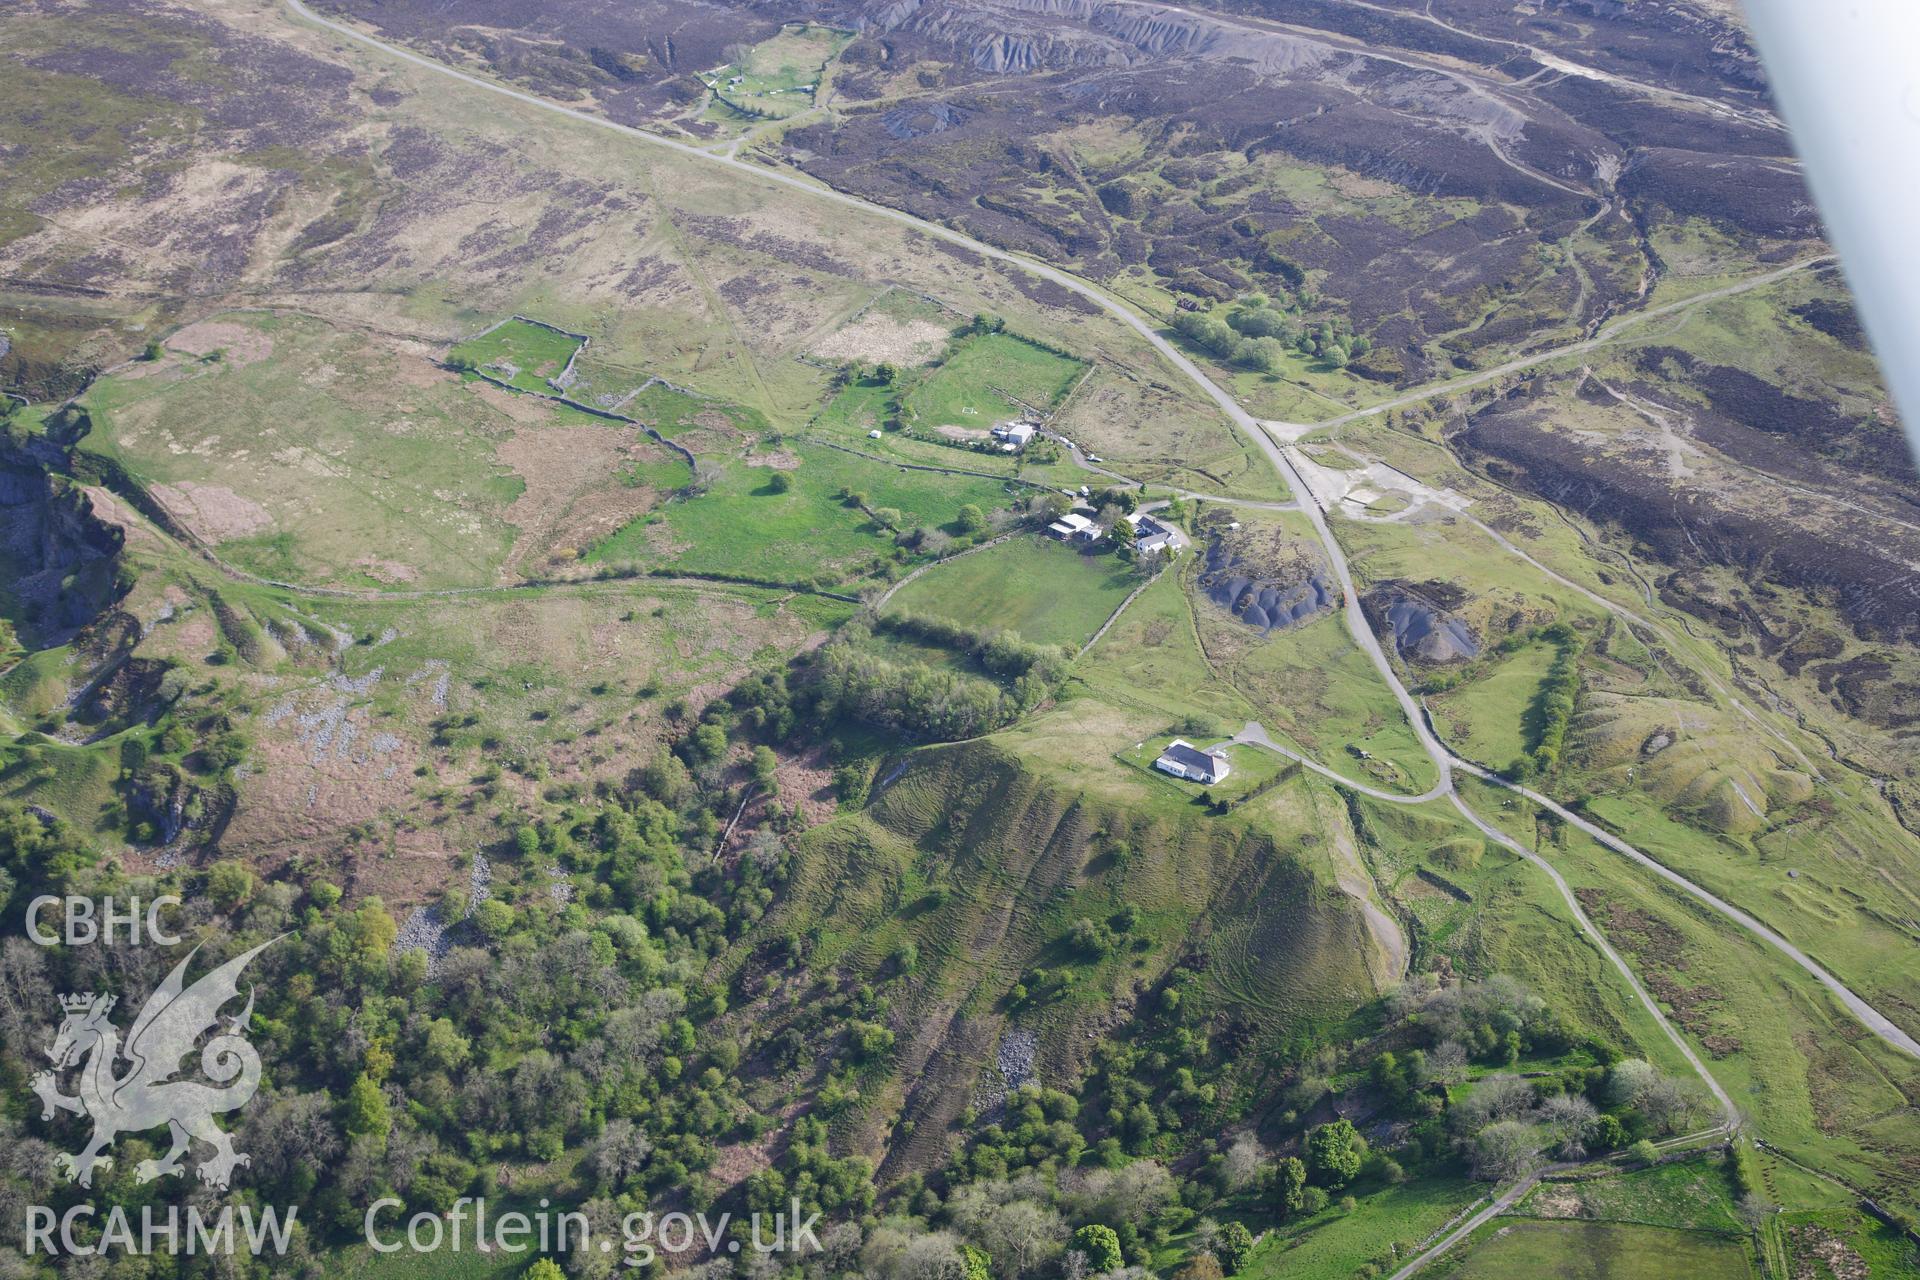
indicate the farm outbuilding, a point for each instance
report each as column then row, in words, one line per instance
column 1074, row 526
column 1016, row 434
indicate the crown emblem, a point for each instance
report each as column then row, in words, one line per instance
column 79, row 1002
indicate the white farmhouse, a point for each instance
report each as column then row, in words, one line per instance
column 1184, row 760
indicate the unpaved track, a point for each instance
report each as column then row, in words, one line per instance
column 1443, row 758
column 1255, row 734
column 1609, row 333
column 1727, row 1109
column 1081, row 460
column 1729, row 1114
column 1505, row 1201
column 1517, row 1192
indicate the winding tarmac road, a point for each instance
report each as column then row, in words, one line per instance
column 1443, row 758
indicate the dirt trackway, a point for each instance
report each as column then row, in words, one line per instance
column 1255, row 734
column 1608, row 334
column 1357, row 626
column 1480, row 86
column 1506, row 1200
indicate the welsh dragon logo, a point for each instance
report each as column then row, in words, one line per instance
column 147, row 1096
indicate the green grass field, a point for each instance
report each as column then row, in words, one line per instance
column 1690, row 1194
column 779, row 76
column 856, row 409
column 1251, row 766
column 445, row 1264
column 1331, row 1246
column 1313, row 686
column 1827, row 1242
column 526, row 355
column 1151, row 662
column 671, row 411
column 981, row 382
column 1486, row 720
column 1049, row 593
column 38, row 683
column 861, row 408
column 1598, row 1251
column 741, row 526
column 71, row 780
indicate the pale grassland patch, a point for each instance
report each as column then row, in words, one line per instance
column 571, row 499
column 1355, row 187
column 212, row 512
column 1559, row 1202
column 241, row 344
column 519, row 408
column 879, row 338
column 110, row 510
column 393, row 571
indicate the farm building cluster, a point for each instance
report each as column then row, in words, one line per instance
column 1150, row 536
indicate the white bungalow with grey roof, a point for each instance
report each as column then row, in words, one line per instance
column 1184, row 760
